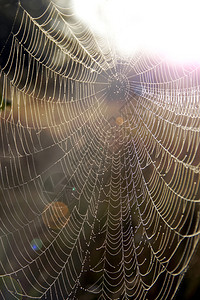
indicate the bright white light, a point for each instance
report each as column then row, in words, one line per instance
column 169, row 27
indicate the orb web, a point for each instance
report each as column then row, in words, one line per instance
column 118, row 88
column 99, row 166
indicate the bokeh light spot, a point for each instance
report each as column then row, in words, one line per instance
column 55, row 215
column 119, row 121
column 36, row 244
column 11, row 288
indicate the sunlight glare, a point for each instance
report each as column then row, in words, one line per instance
column 169, row 28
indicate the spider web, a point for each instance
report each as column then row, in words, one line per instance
column 99, row 165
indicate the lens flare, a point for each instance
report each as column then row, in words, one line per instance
column 56, row 215
column 36, row 244
column 10, row 288
column 119, row 121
